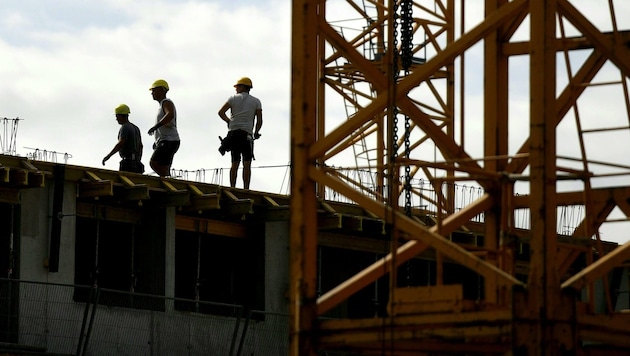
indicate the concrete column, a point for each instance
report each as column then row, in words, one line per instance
column 276, row 266
column 68, row 237
column 36, row 215
column 169, row 254
column 35, row 224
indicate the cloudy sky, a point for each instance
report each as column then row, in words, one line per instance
column 65, row 65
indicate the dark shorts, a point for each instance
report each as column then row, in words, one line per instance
column 242, row 146
column 131, row 165
column 164, row 151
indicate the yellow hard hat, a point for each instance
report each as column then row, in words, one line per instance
column 122, row 109
column 159, row 83
column 244, row 81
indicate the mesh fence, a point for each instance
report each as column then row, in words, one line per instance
column 81, row 320
column 264, row 333
column 39, row 316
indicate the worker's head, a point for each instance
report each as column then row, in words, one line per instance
column 159, row 89
column 160, row 83
column 122, row 113
column 122, row 109
column 245, row 82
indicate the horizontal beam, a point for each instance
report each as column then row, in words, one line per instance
column 210, row 226
column 599, row 268
column 421, row 237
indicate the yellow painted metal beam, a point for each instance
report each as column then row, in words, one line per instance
column 422, row 239
column 599, row 268
column 426, row 299
column 618, row 54
column 566, row 100
column 614, row 325
column 372, row 110
column 303, row 214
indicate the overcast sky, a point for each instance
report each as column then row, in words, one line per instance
column 65, row 65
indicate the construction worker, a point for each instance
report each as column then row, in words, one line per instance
column 245, row 109
column 129, row 143
column 165, row 129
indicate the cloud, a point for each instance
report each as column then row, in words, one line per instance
column 65, row 65
column 64, row 81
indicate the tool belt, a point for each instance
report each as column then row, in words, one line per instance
column 131, row 164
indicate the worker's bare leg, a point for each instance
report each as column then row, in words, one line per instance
column 161, row 169
column 247, row 173
column 233, row 173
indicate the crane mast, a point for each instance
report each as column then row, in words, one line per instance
column 395, row 103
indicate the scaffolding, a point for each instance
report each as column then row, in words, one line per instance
column 510, row 102
column 8, row 139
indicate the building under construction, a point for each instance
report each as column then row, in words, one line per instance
column 469, row 220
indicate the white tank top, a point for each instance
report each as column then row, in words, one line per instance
column 166, row 132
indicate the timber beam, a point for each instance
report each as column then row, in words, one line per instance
column 133, row 191
column 201, row 201
column 19, row 177
column 95, row 187
column 274, row 211
column 108, row 213
column 9, row 195
column 4, row 174
column 234, row 206
column 210, row 226
column 352, row 223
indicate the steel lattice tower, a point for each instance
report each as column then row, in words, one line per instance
column 505, row 103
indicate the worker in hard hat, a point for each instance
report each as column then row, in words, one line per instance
column 244, row 126
column 129, row 143
column 165, row 129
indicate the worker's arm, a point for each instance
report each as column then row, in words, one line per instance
column 223, row 111
column 119, row 145
column 169, row 114
column 259, row 122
